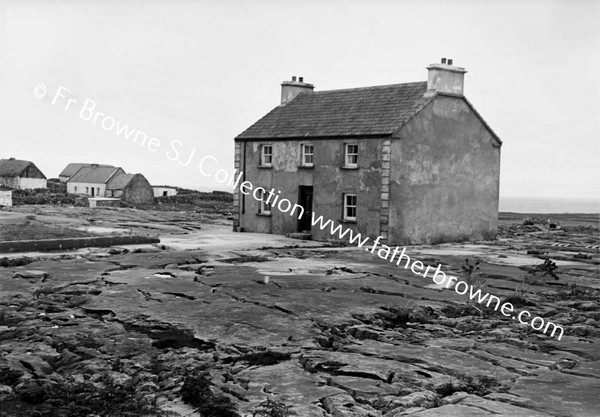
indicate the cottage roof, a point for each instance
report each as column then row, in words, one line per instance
column 94, row 174
column 71, row 169
column 367, row 111
column 119, row 181
column 15, row 167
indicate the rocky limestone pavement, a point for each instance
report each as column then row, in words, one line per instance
column 331, row 332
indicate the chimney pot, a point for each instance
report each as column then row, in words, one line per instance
column 443, row 60
column 300, row 79
column 449, row 62
column 294, row 79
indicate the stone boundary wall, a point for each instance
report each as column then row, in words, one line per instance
column 73, row 243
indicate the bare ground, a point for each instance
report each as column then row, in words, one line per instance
column 221, row 322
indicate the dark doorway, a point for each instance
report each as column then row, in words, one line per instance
column 93, row 191
column 305, row 200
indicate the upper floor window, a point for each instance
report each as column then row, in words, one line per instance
column 350, row 207
column 263, row 207
column 307, row 154
column 266, row 155
column 351, row 155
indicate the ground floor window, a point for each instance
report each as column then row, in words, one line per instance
column 263, row 207
column 349, row 206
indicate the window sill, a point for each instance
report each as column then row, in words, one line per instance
column 349, row 167
column 306, row 166
column 350, row 221
column 265, row 167
column 263, row 214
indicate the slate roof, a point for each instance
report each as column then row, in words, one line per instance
column 119, row 181
column 71, row 169
column 15, row 167
column 94, row 175
column 364, row 111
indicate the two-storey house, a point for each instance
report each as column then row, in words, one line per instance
column 413, row 163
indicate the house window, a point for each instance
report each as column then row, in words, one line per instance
column 97, row 190
column 87, row 190
column 75, row 190
column 266, row 155
column 264, row 208
column 307, row 154
column 350, row 207
column 351, row 153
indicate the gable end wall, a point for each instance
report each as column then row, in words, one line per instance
column 444, row 180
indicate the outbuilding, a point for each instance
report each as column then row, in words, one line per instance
column 164, row 191
column 5, row 197
column 21, row 175
column 131, row 188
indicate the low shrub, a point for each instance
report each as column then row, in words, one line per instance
column 84, row 399
column 197, row 392
column 46, row 196
column 272, row 408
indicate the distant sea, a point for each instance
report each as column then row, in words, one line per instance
column 548, row 205
column 520, row 204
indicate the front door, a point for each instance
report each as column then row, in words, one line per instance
column 305, row 200
column 93, row 191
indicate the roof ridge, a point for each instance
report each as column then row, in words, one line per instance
column 16, row 160
column 366, row 88
column 90, row 164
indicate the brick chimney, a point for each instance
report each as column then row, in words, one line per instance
column 290, row 89
column 445, row 78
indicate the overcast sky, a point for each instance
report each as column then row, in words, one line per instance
column 200, row 72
